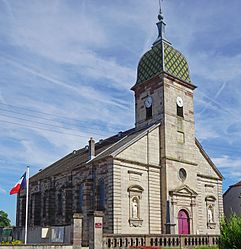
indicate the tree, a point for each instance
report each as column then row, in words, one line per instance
column 4, row 220
column 230, row 233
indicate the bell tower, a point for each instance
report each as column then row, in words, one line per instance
column 164, row 95
column 160, row 64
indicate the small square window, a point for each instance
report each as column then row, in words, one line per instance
column 180, row 111
column 149, row 112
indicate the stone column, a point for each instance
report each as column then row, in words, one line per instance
column 174, row 214
column 182, row 241
column 96, row 230
column 148, row 241
column 77, row 230
column 194, row 215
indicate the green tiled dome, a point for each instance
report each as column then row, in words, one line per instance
column 153, row 62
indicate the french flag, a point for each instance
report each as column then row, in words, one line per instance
column 21, row 184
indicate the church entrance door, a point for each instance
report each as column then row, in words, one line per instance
column 183, row 222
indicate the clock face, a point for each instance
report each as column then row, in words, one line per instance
column 179, row 101
column 148, row 102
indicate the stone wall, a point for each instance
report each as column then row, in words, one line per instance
column 54, row 199
column 44, row 235
column 153, row 88
column 179, row 131
column 137, row 175
column 209, row 188
column 34, row 246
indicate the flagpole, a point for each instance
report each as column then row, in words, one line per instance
column 26, row 214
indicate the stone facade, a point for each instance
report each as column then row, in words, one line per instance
column 153, row 179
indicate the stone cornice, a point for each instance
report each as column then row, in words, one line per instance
column 136, row 163
column 209, row 177
column 179, row 160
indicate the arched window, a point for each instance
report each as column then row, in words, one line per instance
column 59, row 204
column 31, row 208
column 81, row 198
column 68, row 206
column 23, row 208
column 37, row 209
column 149, row 112
column 180, row 111
column 44, row 205
column 101, row 195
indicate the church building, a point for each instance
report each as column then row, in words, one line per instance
column 154, row 178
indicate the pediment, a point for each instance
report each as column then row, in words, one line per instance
column 183, row 191
column 210, row 198
column 135, row 188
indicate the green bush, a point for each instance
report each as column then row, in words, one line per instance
column 14, row 242
column 231, row 233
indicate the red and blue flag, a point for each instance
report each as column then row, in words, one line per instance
column 21, row 184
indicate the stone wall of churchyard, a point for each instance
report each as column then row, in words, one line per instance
column 99, row 240
column 37, row 247
column 40, row 235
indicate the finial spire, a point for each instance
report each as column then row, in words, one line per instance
column 160, row 6
column 160, row 25
column 160, row 16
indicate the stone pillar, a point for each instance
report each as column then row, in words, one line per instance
column 148, row 241
column 193, row 226
column 77, row 230
column 96, row 230
column 182, row 241
column 173, row 218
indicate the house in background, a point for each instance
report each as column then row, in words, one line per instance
column 232, row 200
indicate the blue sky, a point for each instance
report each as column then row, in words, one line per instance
column 67, row 66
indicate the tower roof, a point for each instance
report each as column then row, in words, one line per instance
column 162, row 57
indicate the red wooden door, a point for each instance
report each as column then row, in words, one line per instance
column 183, row 222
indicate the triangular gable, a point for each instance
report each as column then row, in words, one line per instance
column 208, row 159
column 124, row 143
column 134, row 140
column 183, row 191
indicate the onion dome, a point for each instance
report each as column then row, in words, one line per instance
column 162, row 57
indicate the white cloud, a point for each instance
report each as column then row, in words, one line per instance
column 63, row 25
column 226, row 162
column 230, row 166
column 85, row 91
column 68, row 38
column 215, row 67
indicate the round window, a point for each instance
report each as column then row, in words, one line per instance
column 182, row 174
